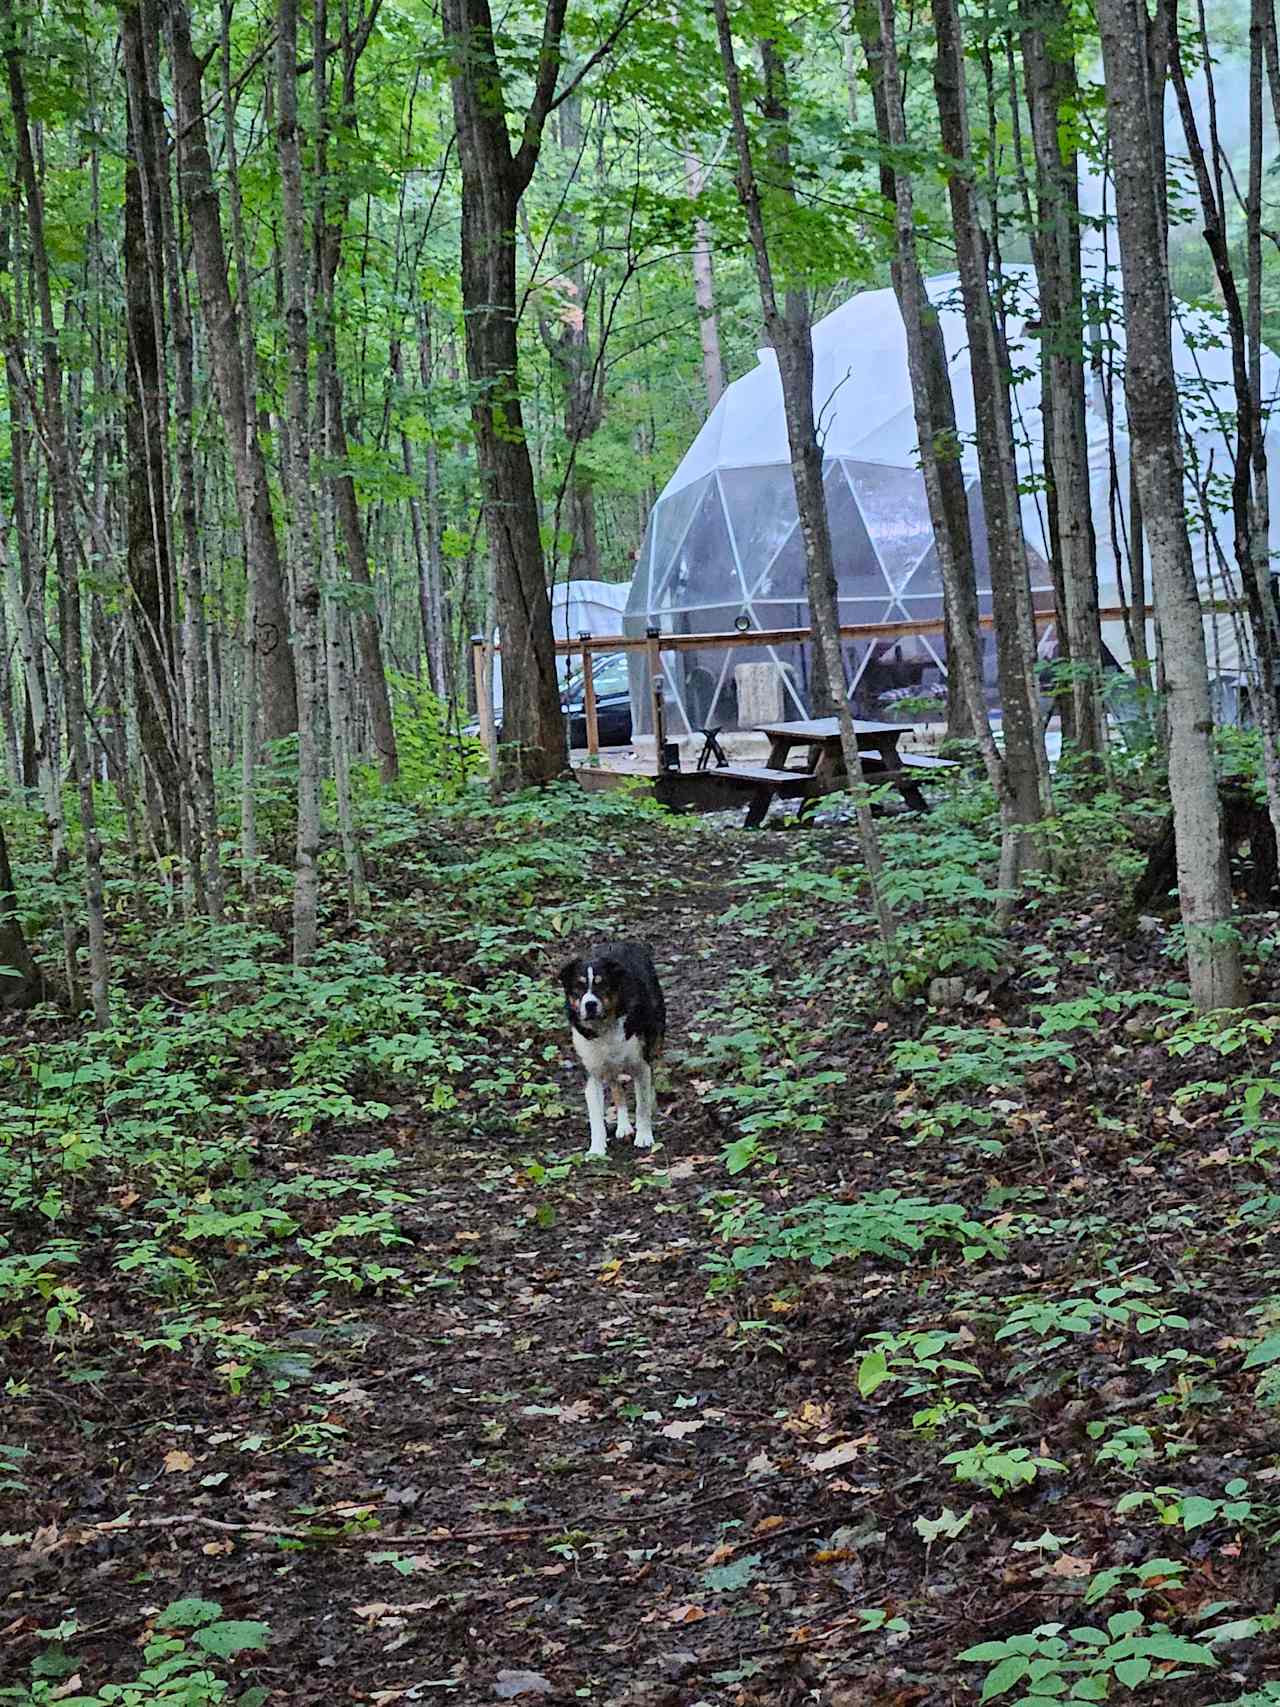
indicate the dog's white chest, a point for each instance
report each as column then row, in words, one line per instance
column 612, row 1053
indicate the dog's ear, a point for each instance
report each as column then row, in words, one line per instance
column 570, row 971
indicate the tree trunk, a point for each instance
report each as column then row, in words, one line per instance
column 333, row 208
column 8, row 717
column 567, row 338
column 26, row 598
column 66, row 544
column 297, row 464
column 22, row 984
column 1213, row 957
column 789, row 329
column 493, row 181
column 253, row 492
column 1249, row 495
column 1053, row 96
column 939, row 445
column 704, row 288
column 1027, row 769
column 150, row 574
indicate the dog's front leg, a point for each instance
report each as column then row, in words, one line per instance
column 644, row 1107
column 624, row 1127
column 595, row 1114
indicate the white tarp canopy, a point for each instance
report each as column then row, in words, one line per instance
column 723, row 536
column 577, row 607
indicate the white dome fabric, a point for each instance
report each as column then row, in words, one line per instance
column 723, row 540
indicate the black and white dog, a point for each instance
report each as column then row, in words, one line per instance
column 619, row 1018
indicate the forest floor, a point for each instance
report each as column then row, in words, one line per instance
column 335, row 1373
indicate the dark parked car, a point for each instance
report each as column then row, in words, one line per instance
column 613, row 702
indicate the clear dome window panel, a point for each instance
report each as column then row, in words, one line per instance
column 704, row 569
column 673, row 666
column 761, row 507
column 923, row 610
column 854, row 613
column 786, row 577
column 701, row 619
column 927, row 578
column 781, row 613
column 895, row 509
column 638, row 597
column 771, row 688
column 858, row 571
column 670, row 524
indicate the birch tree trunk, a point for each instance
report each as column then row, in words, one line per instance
column 704, row 288
column 789, row 329
column 1213, row 957
column 307, row 615
column 33, row 647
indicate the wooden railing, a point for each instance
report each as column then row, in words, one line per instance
column 655, row 642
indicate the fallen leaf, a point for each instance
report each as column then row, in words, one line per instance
column 176, row 1461
column 836, row 1455
column 512, row 1683
column 215, row 1547
column 687, row 1615
column 1070, row 1565
column 761, row 1465
column 678, row 1430
column 374, row 1611
column 809, row 1418
column 767, row 1525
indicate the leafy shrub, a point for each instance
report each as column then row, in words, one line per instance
column 436, row 761
column 821, row 1232
column 1085, row 1663
column 188, row 1638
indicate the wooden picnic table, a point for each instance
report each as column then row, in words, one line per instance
column 757, row 786
column 821, row 736
column 877, row 750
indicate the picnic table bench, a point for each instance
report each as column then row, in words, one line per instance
column 823, row 772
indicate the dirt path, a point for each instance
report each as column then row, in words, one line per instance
column 546, row 1463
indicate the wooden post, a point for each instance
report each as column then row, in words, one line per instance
column 660, row 721
column 481, row 663
column 589, row 700
column 651, row 636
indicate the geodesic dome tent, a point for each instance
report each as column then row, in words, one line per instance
column 723, row 548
